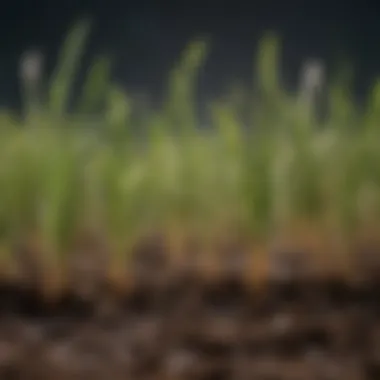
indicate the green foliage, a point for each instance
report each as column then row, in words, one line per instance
column 180, row 108
column 373, row 108
column 96, row 86
column 268, row 69
column 282, row 166
column 68, row 64
column 342, row 106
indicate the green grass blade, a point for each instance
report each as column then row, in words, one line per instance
column 68, row 64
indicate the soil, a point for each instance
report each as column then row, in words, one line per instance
column 180, row 323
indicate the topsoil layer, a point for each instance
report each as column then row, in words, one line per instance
column 195, row 331
column 182, row 324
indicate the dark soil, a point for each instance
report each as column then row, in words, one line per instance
column 177, row 324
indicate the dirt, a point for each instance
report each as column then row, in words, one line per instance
column 180, row 323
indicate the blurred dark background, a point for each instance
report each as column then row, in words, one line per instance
column 145, row 37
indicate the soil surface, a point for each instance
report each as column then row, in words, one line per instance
column 194, row 330
column 181, row 324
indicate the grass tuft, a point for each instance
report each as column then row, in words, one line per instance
column 75, row 172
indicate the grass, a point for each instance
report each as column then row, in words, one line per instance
column 266, row 162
